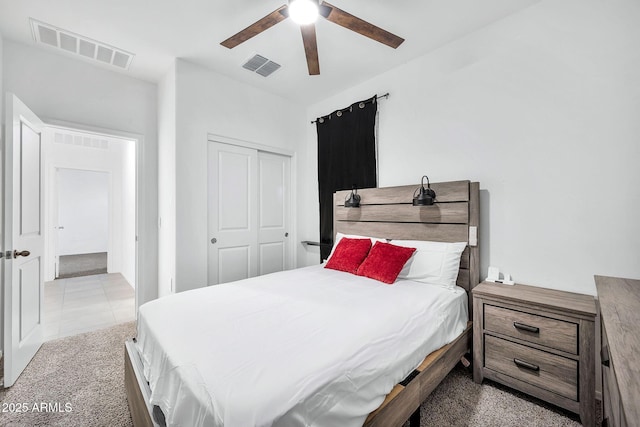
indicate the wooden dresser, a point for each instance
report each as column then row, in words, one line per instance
column 619, row 303
column 539, row 341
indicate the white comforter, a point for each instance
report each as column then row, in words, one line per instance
column 306, row 347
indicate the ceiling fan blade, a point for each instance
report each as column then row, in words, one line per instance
column 310, row 48
column 256, row 28
column 353, row 23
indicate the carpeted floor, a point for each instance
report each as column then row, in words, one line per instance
column 87, row 372
column 458, row 401
column 83, row 373
column 82, row 265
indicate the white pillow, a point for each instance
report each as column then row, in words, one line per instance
column 432, row 262
column 352, row 236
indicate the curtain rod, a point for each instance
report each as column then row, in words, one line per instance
column 386, row 95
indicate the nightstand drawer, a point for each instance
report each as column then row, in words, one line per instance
column 546, row 331
column 545, row 370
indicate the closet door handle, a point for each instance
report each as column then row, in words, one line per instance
column 526, row 365
column 16, row 254
column 527, row 328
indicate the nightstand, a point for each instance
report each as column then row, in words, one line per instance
column 539, row 341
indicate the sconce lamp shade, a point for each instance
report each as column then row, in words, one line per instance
column 353, row 201
column 424, row 196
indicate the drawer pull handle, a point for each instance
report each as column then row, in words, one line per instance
column 604, row 355
column 527, row 328
column 526, row 365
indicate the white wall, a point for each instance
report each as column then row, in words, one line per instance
column 167, row 182
column 83, row 211
column 59, row 88
column 207, row 102
column 542, row 109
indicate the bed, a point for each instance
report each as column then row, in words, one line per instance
column 280, row 378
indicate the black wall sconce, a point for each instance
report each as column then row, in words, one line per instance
column 353, row 201
column 426, row 196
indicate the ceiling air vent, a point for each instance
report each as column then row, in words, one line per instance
column 261, row 65
column 81, row 140
column 80, row 45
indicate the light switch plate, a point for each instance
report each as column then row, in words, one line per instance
column 473, row 236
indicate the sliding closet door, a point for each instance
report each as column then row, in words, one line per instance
column 274, row 252
column 249, row 194
column 233, row 215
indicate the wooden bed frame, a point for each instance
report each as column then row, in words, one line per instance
column 386, row 213
column 389, row 213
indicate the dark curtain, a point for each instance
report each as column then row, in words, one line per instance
column 346, row 158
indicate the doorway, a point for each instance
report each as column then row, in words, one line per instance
column 31, row 150
column 90, row 237
column 83, row 223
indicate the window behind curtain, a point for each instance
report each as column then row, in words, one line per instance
column 346, row 158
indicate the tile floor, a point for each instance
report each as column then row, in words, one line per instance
column 82, row 304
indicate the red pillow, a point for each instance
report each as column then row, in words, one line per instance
column 349, row 254
column 385, row 262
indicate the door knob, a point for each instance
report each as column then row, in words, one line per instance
column 16, row 254
column 286, row 234
column 214, row 241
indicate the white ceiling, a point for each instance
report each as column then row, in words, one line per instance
column 157, row 31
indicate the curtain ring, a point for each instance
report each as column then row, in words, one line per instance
column 361, row 105
column 351, row 108
column 339, row 113
column 321, row 119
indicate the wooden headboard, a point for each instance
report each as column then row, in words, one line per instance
column 388, row 213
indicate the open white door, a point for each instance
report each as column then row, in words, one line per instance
column 24, row 238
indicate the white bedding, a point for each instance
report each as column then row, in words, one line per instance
column 306, row 347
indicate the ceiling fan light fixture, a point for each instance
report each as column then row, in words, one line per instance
column 303, row 12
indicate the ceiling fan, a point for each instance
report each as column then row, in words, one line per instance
column 304, row 12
